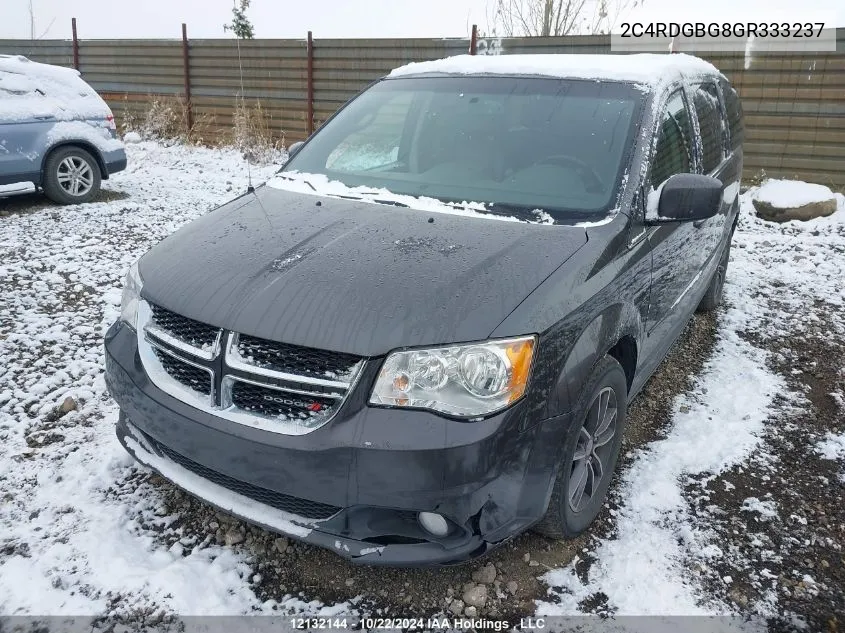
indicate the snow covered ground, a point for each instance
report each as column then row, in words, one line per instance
column 81, row 525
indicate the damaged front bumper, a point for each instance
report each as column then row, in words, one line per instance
column 297, row 527
column 356, row 485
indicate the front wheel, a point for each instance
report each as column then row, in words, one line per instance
column 71, row 176
column 589, row 453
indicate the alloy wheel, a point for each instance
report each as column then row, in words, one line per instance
column 593, row 452
column 75, row 176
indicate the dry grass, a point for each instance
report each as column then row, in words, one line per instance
column 251, row 132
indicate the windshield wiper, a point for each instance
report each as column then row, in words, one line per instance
column 313, row 188
column 393, row 203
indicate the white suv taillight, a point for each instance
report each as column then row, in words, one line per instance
column 110, row 121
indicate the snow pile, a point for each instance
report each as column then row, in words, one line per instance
column 29, row 89
column 644, row 68
column 832, row 447
column 786, row 194
column 766, row 509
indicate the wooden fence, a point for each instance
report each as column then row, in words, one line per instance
column 794, row 103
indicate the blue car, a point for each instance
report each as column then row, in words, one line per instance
column 56, row 133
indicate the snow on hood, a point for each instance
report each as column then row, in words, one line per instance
column 320, row 185
column 648, row 69
column 29, row 89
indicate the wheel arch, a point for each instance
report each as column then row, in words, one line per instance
column 616, row 331
column 86, row 145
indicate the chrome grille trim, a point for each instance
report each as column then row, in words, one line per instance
column 160, row 377
column 229, row 378
column 157, row 334
column 219, row 404
column 236, row 361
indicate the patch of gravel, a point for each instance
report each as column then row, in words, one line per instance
column 780, row 519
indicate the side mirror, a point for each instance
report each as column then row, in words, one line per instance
column 684, row 198
column 293, row 149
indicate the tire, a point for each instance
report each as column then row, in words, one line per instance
column 567, row 515
column 713, row 297
column 68, row 169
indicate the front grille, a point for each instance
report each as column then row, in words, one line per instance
column 286, row 503
column 243, row 378
column 192, row 377
column 279, row 404
column 187, row 330
column 293, row 359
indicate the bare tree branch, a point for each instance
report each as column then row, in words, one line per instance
column 555, row 17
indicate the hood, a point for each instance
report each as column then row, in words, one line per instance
column 351, row 276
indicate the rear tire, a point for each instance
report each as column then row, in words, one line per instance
column 71, row 176
column 589, row 454
column 713, row 297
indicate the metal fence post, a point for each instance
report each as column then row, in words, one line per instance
column 473, row 42
column 309, row 123
column 75, row 44
column 186, row 61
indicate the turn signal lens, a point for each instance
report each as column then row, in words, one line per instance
column 520, row 355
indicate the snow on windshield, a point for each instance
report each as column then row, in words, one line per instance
column 321, row 185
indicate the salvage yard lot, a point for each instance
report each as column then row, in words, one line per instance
column 729, row 499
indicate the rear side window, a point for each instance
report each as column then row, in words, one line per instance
column 734, row 112
column 674, row 143
column 705, row 100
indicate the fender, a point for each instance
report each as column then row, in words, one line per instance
column 619, row 323
column 584, row 310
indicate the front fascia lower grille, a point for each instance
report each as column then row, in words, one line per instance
column 312, row 510
column 239, row 389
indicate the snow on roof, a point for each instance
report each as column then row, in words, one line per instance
column 644, row 68
column 23, row 66
column 30, row 89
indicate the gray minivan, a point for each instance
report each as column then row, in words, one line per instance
column 420, row 337
column 55, row 132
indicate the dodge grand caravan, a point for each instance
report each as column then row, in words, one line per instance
column 420, row 337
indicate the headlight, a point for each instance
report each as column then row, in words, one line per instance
column 470, row 380
column 131, row 296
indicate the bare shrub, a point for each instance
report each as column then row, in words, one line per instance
column 252, row 133
column 165, row 119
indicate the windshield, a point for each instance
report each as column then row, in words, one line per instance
column 511, row 143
